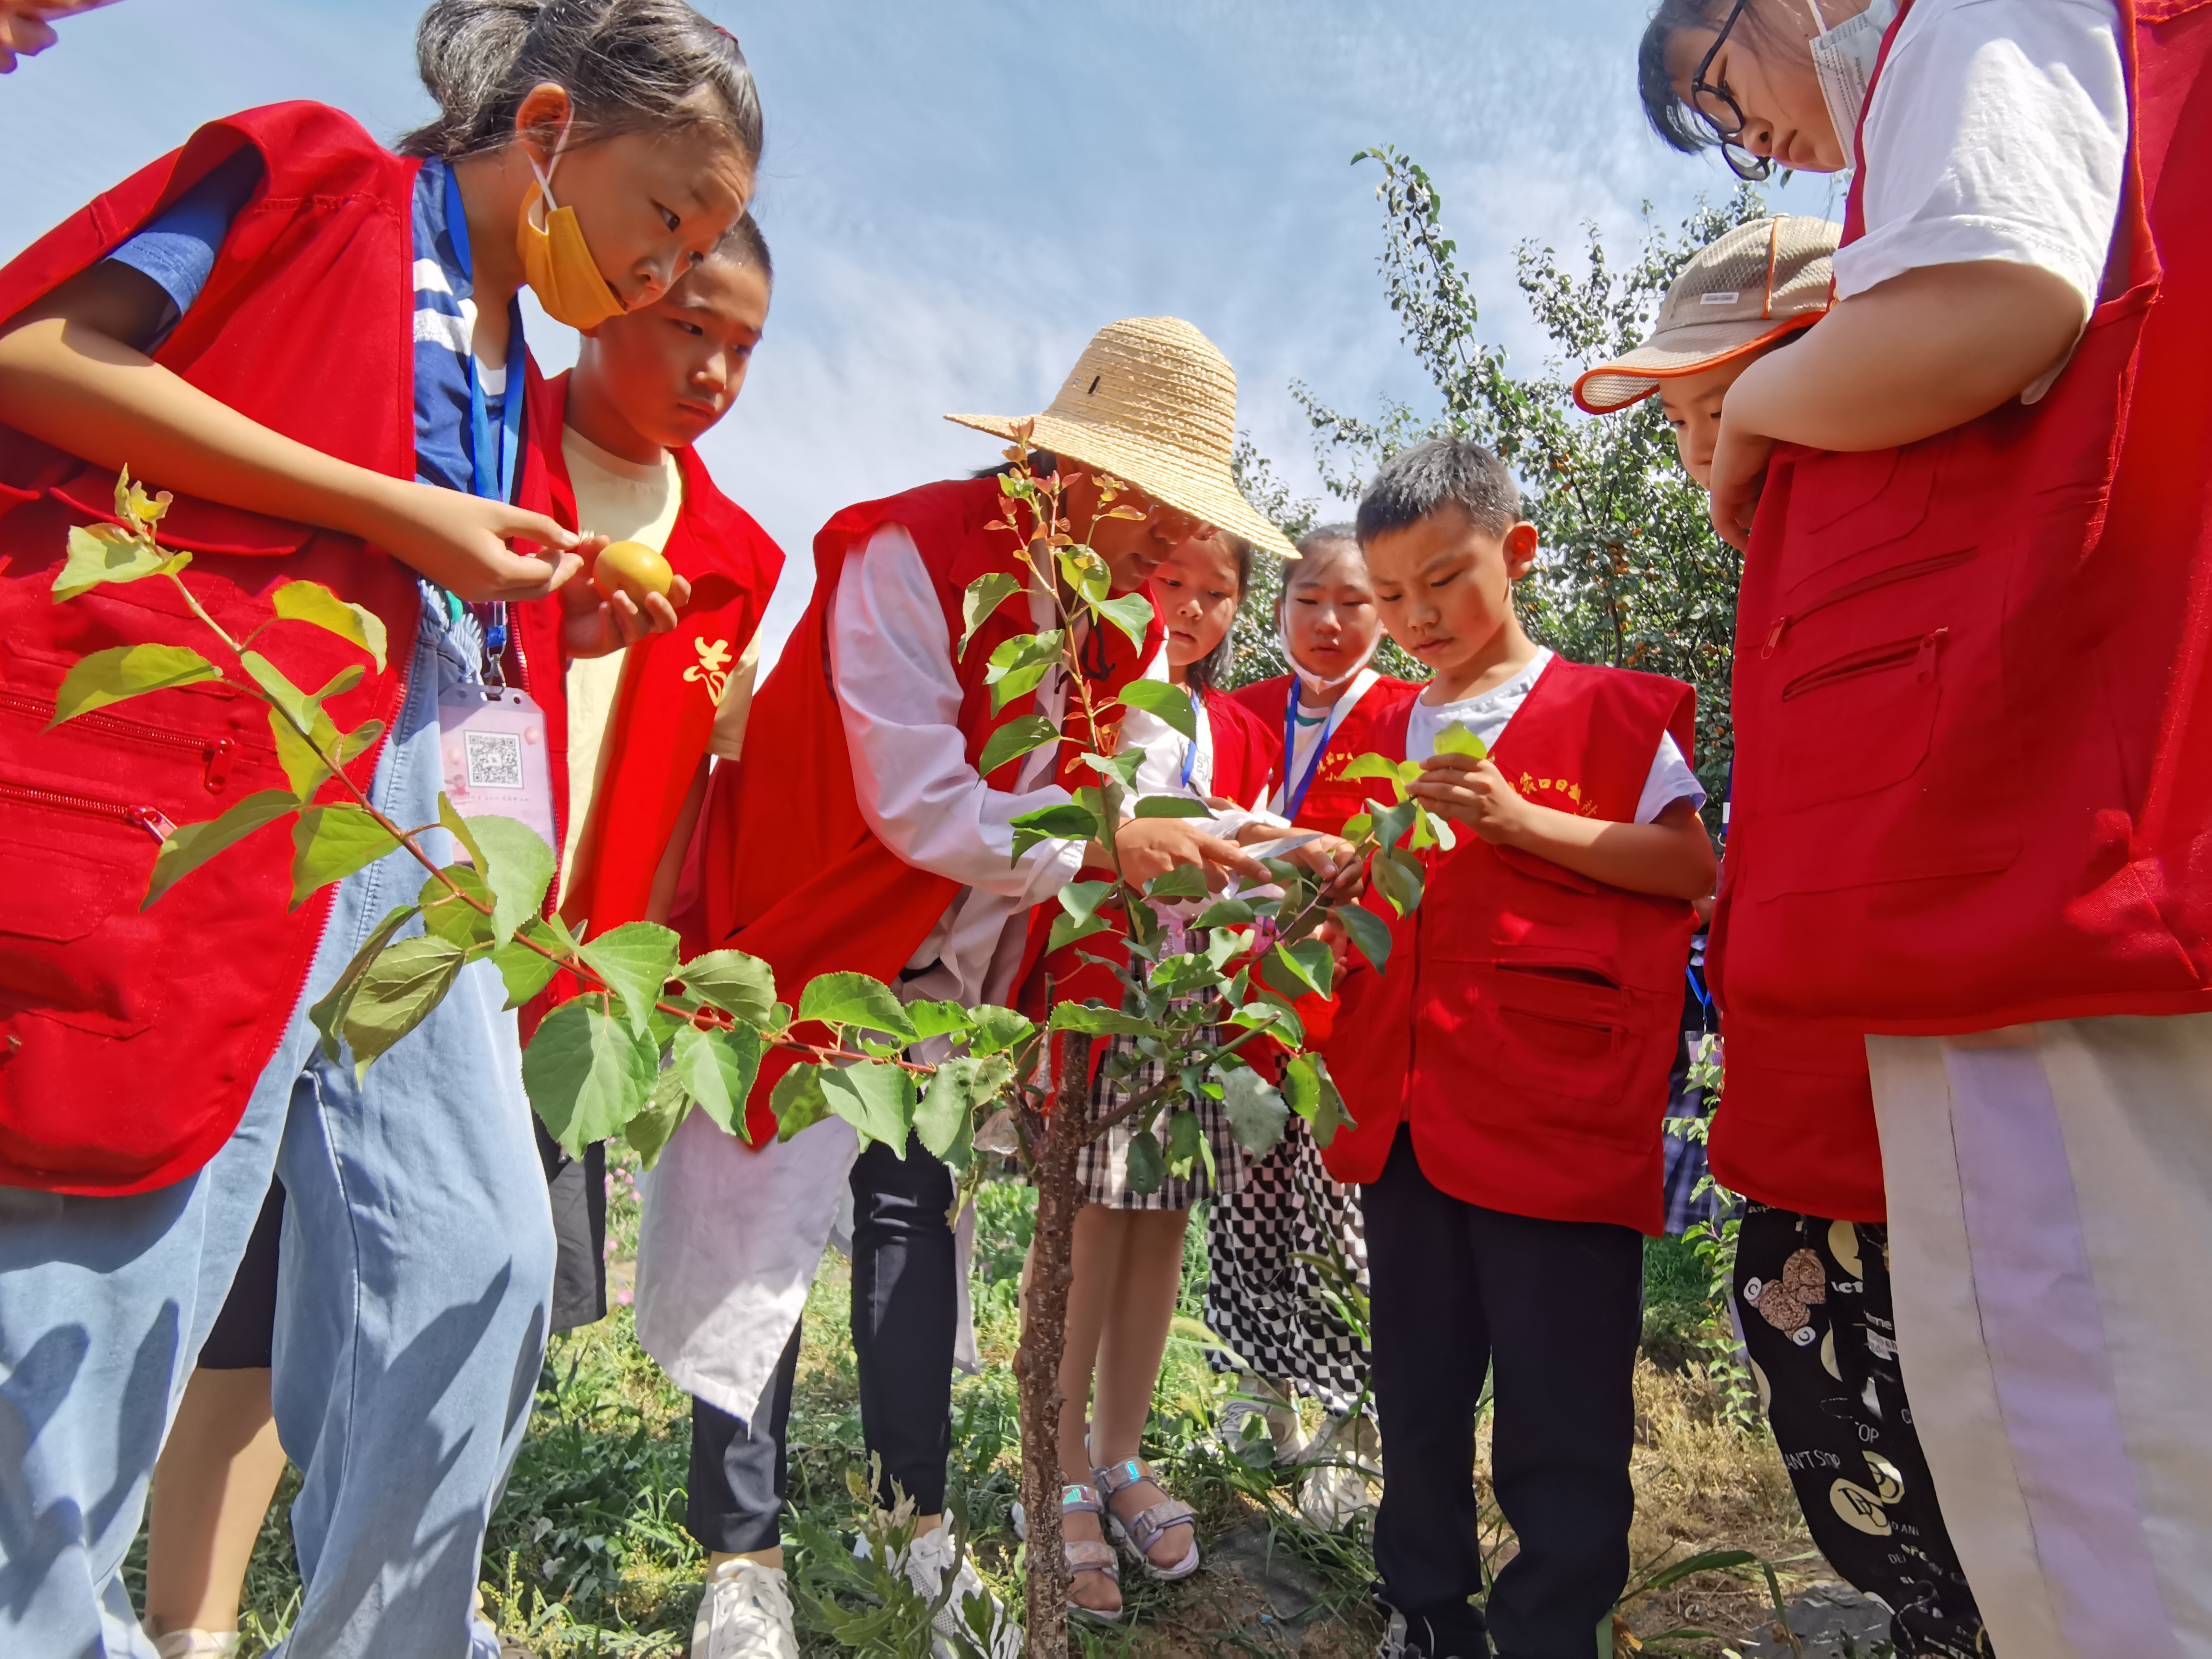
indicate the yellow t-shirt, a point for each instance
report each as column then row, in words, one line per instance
column 630, row 503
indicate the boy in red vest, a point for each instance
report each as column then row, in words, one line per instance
column 1973, row 765
column 1509, row 1074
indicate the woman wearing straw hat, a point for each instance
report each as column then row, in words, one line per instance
column 856, row 836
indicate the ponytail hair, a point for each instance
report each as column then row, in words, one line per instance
column 626, row 65
column 1209, row 670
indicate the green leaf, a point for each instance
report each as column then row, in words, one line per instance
column 742, row 987
column 1229, row 913
column 1147, row 1167
column 1067, row 931
column 1397, row 872
column 798, row 1103
column 103, row 553
column 1020, row 664
column 126, row 672
column 450, row 916
column 1329, row 1115
column 1184, row 1136
column 1255, row 1111
column 1098, row 1020
column 1370, row 932
column 1172, row 806
column 651, row 1129
column 876, row 1099
column 854, row 1000
column 1301, row 1089
column 518, row 867
column 448, row 814
column 587, row 1073
column 329, row 1014
column 1066, row 822
column 1086, row 572
column 1079, row 900
column 998, row 1029
column 1271, row 1013
column 527, row 972
column 637, row 959
column 303, row 767
column 940, row 1019
column 1171, row 703
column 718, row 1067
column 1391, row 823
column 1015, row 738
column 945, row 1119
column 329, row 843
column 1297, row 969
column 1121, row 768
column 311, row 602
column 396, row 994
column 279, row 688
column 1456, row 740
column 1374, row 766
column 984, row 596
column 194, row 844
column 1184, row 881
column 1131, row 613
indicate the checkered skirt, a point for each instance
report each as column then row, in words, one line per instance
column 1102, row 1168
column 1265, row 1303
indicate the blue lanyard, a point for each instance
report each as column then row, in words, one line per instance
column 1190, row 751
column 1294, row 789
column 494, row 458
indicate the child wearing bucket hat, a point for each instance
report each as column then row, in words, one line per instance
column 1795, row 1131
column 857, row 835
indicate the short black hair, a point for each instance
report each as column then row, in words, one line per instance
column 742, row 244
column 1414, row 482
column 1210, row 670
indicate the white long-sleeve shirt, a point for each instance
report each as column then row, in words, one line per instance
column 899, row 698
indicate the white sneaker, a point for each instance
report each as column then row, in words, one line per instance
column 925, row 1563
column 1345, row 1459
column 1257, row 1398
column 746, row 1614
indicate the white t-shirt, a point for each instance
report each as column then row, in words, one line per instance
column 1670, row 779
column 1998, row 129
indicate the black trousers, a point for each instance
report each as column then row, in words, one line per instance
column 1555, row 1308
column 577, row 1191
column 1813, row 1299
column 905, row 1310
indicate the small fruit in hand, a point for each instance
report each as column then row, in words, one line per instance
column 631, row 567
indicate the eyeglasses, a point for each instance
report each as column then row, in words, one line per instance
column 1715, row 105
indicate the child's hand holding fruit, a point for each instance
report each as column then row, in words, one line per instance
column 633, row 591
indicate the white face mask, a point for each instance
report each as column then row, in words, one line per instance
column 1313, row 682
column 1844, row 58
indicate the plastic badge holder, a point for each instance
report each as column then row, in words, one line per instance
column 494, row 739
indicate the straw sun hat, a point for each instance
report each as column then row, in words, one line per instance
column 1760, row 282
column 1152, row 402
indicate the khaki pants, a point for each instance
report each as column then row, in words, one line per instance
column 2050, row 1230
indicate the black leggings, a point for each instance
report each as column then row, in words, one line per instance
column 905, row 1310
column 245, row 1331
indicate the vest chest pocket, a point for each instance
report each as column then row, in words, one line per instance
column 1527, row 1047
column 1845, row 504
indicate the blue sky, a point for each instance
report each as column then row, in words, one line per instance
column 959, row 192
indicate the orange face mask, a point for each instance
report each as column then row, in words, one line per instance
column 557, row 262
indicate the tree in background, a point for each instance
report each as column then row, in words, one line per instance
column 1632, row 574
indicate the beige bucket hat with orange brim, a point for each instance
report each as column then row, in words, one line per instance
column 1152, row 401
column 1762, row 281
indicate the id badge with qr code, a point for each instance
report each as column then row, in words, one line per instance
column 495, row 760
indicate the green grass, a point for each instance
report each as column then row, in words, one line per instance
column 587, row 1555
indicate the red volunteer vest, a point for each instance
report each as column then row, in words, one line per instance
column 1332, row 798
column 1528, row 1017
column 671, row 684
column 790, row 871
column 129, row 1039
column 1973, row 742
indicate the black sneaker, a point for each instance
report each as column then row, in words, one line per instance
column 1452, row 1629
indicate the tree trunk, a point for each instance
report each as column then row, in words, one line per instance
column 1044, row 1341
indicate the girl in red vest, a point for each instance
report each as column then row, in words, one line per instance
column 1261, row 1298
column 1973, row 776
column 1508, row 1074
column 857, row 836
column 316, row 342
column 1795, row 1131
column 1129, row 1252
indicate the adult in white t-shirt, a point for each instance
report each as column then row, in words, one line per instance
column 2048, row 1183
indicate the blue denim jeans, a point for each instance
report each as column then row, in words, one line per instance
column 417, row 1264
